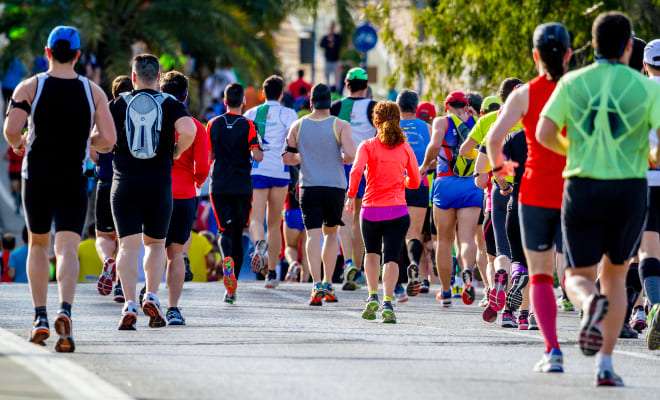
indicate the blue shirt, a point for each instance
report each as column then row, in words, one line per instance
column 14, row 74
column 417, row 132
column 18, row 261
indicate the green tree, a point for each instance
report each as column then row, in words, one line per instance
column 478, row 44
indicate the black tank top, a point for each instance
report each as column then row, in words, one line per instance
column 59, row 128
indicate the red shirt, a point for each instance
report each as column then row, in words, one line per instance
column 389, row 172
column 295, row 86
column 191, row 169
column 15, row 161
column 542, row 184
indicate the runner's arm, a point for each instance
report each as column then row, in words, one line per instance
column 104, row 135
column 481, row 168
column 514, row 109
column 17, row 116
column 346, row 141
column 186, row 129
column 289, row 157
column 433, row 149
column 467, row 148
column 547, row 133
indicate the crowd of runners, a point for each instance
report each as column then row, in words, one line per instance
column 555, row 178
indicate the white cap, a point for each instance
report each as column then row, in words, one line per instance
column 652, row 53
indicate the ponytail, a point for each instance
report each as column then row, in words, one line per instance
column 553, row 62
column 386, row 120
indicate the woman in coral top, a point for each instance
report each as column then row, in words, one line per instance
column 390, row 166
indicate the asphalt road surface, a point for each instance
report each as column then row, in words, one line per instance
column 272, row 345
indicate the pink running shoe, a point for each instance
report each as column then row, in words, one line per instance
column 497, row 295
column 107, row 277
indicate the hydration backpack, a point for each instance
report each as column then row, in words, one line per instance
column 144, row 118
column 457, row 132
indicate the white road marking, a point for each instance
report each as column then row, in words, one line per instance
column 65, row 377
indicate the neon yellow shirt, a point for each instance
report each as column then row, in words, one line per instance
column 90, row 263
column 478, row 133
column 608, row 110
column 199, row 248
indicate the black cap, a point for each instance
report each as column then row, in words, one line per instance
column 552, row 36
column 321, row 97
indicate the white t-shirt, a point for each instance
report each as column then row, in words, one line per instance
column 278, row 122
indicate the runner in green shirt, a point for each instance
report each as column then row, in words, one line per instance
column 608, row 110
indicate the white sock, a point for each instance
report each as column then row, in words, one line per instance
column 604, row 362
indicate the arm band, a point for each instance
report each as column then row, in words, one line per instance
column 290, row 149
column 23, row 105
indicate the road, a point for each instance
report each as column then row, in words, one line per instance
column 272, row 345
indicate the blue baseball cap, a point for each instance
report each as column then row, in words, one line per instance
column 66, row 33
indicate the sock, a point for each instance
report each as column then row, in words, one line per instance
column 66, row 308
column 604, row 362
column 373, row 293
column 40, row 312
column 649, row 273
column 545, row 309
column 373, row 297
column 415, row 249
column 387, row 298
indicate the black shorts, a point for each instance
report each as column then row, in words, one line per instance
column 103, row 212
column 418, row 197
column 322, row 206
column 603, row 217
column 142, row 206
column 385, row 236
column 489, row 235
column 653, row 220
column 181, row 222
column 232, row 211
column 540, row 228
column 62, row 201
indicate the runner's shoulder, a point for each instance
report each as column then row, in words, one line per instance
column 26, row 89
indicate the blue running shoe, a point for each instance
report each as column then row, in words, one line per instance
column 174, row 316
column 552, row 362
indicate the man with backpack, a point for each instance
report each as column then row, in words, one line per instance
column 356, row 109
column 141, row 194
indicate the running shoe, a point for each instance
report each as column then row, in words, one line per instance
column 468, row 294
column 128, row 317
column 151, row 308
column 533, row 325
column 484, row 300
column 40, row 331
column 414, row 286
column 627, row 332
column 229, row 298
column 426, row 286
column 608, row 378
column 259, row 260
column 316, row 299
column 456, row 291
column 638, row 319
column 552, row 362
column 228, row 276
column 497, row 295
column 523, row 322
column 350, row 273
column 444, row 296
column 565, row 304
column 387, row 314
column 63, row 327
column 360, row 279
column 271, row 280
column 489, row 315
column 400, row 293
column 293, row 274
column 107, row 277
column 514, row 297
column 174, row 316
column 370, row 309
column 653, row 333
column 118, row 293
column 329, row 293
column 508, row 320
column 590, row 338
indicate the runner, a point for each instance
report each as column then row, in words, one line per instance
column 106, row 236
column 649, row 253
column 391, row 167
column 294, row 232
column 357, row 109
column 541, row 185
column 270, row 179
column 605, row 197
column 189, row 172
column 417, row 133
column 14, row 169
column 456, row 200
column 141, row 193
column 234, row 145
column 60, row 108
column 321, row 143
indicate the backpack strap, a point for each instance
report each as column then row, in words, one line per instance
column 346, row 109
column 260, row 119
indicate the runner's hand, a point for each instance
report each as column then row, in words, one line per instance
column 481, row 180
column 507, row 169
column 20, row 149
column 350, row 205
